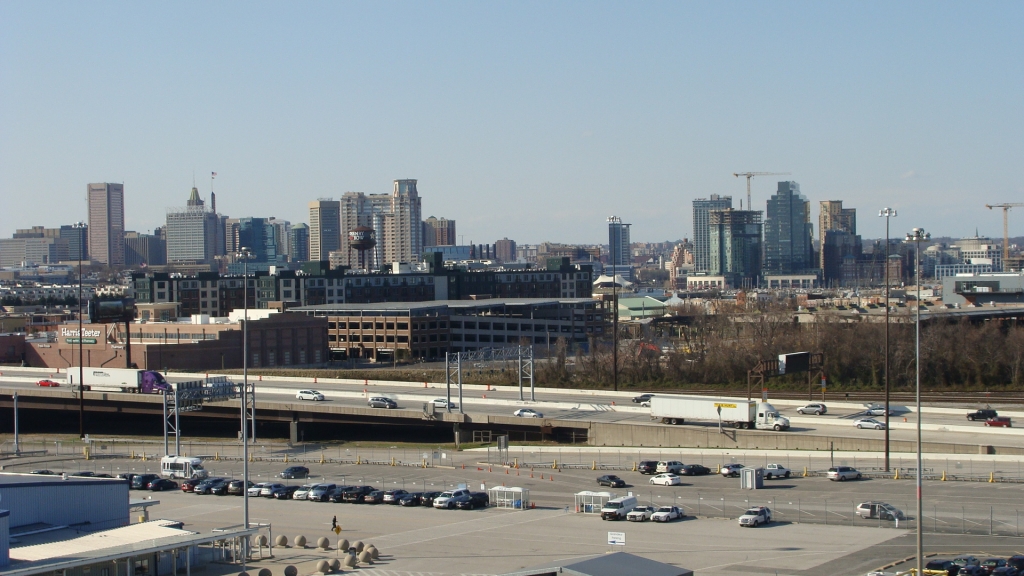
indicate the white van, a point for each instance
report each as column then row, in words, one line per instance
column 618, row 508
column 182, row 467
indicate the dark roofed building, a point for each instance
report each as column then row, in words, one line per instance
column 617, row 564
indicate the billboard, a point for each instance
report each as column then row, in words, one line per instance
column 795, row 362
column 111, row 311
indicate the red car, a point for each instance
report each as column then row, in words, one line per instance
column 1003, row 421
column 48, row 383
column 189, row 485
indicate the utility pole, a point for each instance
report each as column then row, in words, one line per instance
column 887, row 213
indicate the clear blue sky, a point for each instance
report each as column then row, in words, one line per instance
column 531, row 120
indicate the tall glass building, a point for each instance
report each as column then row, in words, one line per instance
column 701, row 233
column 788, row 232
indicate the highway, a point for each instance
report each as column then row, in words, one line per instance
column 940, row 423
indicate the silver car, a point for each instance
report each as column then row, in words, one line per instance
column 843, row 473
column 816, row 408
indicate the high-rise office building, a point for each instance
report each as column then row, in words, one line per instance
column 144, row 249
column 78, row 241
column 788, row 232
column 298, row 242
column 438, row 232
column 106, row 223
column 505, row 250
column 701, row 232
column 619, row 253
column 834, row 217
column 734, row 243
column 408, row 235
column 192, row 232
column 260, row 237
column 283, row 231
column 325, row 230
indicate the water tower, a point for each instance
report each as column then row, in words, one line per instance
column 362, row 239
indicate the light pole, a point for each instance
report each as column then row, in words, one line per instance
column 887, row 213
column 81, row 341
column 916, row 236
column 244, row 254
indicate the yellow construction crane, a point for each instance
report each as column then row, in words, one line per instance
column 750, row 175
column 1006, row 225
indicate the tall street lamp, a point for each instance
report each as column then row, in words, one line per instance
column 916, row 236
column 887, row 213
column 81, row 341
column 244, row 254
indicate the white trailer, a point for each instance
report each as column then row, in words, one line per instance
column 729, row 411
column 128, row 380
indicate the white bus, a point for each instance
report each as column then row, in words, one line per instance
column 182, row 467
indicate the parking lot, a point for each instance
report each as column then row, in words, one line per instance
column 425, row 540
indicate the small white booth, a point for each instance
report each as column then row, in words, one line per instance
column 512, row 497
column 588, row 502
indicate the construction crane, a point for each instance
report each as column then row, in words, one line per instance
column 1006, row 225
column 750, row 175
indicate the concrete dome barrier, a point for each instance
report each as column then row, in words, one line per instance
column 358, row 546
column 291, row 571
column 281, row 540
column 323, row 543
column 365, row 558
column 374, row 553
column 323, row 566
column 261, row 540
column 265, row 572
column 300, row 541
column 343, row 545
column 243, row 574
column 350, row 560
column 335, row 564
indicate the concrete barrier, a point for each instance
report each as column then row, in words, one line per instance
column 323, row 566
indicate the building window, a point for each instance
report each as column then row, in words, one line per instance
column 390, row 326
column 271, row 359
column 456, row 324
column 485, row 325
column 316, row 356
column 403, row 325
column 255, row 359
column 403, row 339
column 470, row 325
column 302, row 356
column 287, row 357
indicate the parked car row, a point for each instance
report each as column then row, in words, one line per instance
column 967, row 565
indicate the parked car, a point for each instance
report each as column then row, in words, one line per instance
column 1000, row 421
column 947, row 565
column 139, row 481
column 161, row 484
column 189, row 485
column 611, row 480
column 674, row 466
column 527, row 413
column 52, row 473
column 284, row 492
column 966, row 560
column 1006, row 571
column 776, row 471
column 990, row 564
column 255, row 489
column 843, row 473
column 382, row 402
column 983, row 414
column 728, row 470
column 473, row 501
column 428, row 498
column 221, row 489
column 879, row 510
column 695, row 470
column 269, row 488
column 1016, row 561
column 442, row 500
column 972, row 570
column 206, row 486
column 411, row 499
column 356, row 494
column 667, row 514
column 640, row 514
column 816, row 408
column 314, row 395
column 666, row 480
column 443, row 403
column 642, row 398
column 295, row 473
column 869, row 423
column 393, row 496
column 303, row 492
column 375, row 497
column 48, row 384
column 756, row 516
column 647, row 467
column 321, row 492
column 336, row 494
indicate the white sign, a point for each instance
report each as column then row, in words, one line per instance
column 74, row 333
column 616, row 538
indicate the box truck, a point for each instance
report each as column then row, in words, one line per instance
column 119, row 380
column 730, row 412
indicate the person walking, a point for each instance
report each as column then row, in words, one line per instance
column 334, row 523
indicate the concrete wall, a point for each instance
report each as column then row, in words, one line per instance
column 662, row 436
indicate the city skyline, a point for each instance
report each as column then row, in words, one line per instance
column 553, row 112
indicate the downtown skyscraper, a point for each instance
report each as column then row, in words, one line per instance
column 788, row 232
column 619, row 253
column 701, row 231
column 324, row 228
column 106, row 223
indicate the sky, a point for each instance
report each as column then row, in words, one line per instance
column 533, row 121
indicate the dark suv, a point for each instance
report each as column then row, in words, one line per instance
column 295, row 473
column 647, row 467
column 141, row 481
column 983, row 414
column 473, row 500
column 356, row 494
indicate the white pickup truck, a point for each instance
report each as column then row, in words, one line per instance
column 776, row 471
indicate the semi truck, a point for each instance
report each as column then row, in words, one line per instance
column 126, row 380
column 729, row 411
